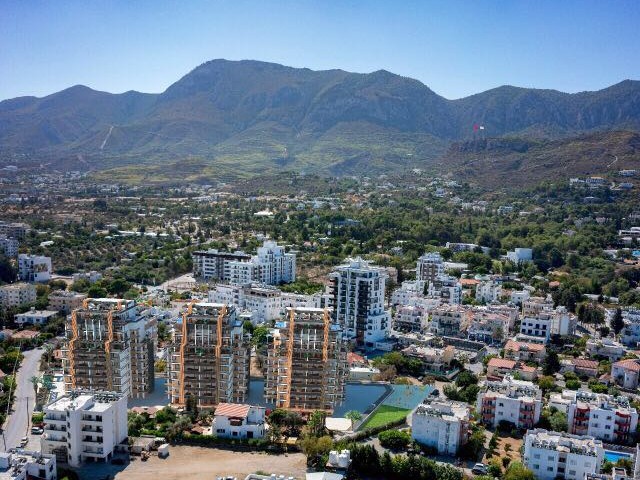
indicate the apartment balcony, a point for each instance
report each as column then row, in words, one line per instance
column 54, row 440
column 55, row 420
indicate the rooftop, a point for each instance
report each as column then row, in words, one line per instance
column 564, row 442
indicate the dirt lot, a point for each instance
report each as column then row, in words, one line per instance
column 198, row 463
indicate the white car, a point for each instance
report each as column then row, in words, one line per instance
column 479, row 469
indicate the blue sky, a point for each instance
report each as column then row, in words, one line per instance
column 455, row 47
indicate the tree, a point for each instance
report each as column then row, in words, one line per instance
column 517, row 471
column 8, row 272
column 617, row 322
column 546, row 383
column 394, row 439
column 354, row 416
column 551, row 363
column 316, row 421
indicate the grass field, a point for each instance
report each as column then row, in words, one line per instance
column 384, row 414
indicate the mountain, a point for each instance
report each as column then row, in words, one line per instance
column 248, row 117
column 517, row 162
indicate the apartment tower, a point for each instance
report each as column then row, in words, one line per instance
column 110, row 347
column 306, row 366
column 210, row 357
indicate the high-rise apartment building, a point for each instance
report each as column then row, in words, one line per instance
column 110, row 347
column 271, row 266
column 306, row 362
column 357, row 293
column 209, row 357
column 429, row 266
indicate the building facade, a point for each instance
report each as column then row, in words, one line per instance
column 209, row 357
column 235, row 420
column 515, row 401
column 110, row 347
column 442, row 424
column 17, row 295
column 65, row 301
column 85, row 426
column 306, row 366
column 429, row 266
column 34, row 268
column 553, row 455
column 357, row 293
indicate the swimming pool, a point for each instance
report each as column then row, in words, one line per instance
column 613, row 456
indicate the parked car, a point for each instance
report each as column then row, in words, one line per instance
column 479, row 469
column 24, row 441
column 36, row 431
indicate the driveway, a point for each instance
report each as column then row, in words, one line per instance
column 18, row 424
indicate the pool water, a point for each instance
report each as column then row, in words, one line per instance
column 613, row 457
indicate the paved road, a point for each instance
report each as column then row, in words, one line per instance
column 18, row 424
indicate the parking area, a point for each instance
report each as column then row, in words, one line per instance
column 202, row 463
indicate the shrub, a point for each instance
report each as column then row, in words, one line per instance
column 394, row 439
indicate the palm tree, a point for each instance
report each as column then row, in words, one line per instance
column 354, row 416
column 35, row 380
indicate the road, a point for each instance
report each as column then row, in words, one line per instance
column 18, row 423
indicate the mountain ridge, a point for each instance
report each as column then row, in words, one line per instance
column 255, row 116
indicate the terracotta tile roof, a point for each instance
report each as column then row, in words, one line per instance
column 237, row 410
column 629, row 364
column 584, row 363
column 517, row 346
column 25, row 334
column 355, row 358
column 526, row 368
column 501, row 363
column 469, row 281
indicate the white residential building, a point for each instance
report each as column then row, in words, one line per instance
column 447, row 320
column 409, row 318
column 27, row 465
column 625, row 373
column 553, row 455
column 236, row 420
column 515, row 401
column 357, row 296
column 630, row 334
column 611, row 419
column 520, row 255
column 548, row 323
column 83, row 426
column 605, row 347
column 35, row 317
column 264, row 302
column 446, row 288
column 34, row 268
column 9, row 246
column 429, row 266
column 408, row 292
column 487, row 291
column 442, row 424
column 518, row 297
column 271, row 266
column 17, row 294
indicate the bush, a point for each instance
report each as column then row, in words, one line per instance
column 394, row 439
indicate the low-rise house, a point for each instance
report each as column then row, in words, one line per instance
column 434, row 360
column 625, row 373
column 26, row 335
column 584, row 367
column 605, row 347
column 524, row 352
column 515, row 401
column 65, row 301
column 34, row 268
column 35, row 317
column 498, row 368
column 234, row 420
column 442, row 424
column 554, row 455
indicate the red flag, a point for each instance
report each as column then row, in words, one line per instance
column 475, row 127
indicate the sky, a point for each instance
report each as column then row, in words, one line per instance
column 457, row 48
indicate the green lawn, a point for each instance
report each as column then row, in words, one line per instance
column 384, row 414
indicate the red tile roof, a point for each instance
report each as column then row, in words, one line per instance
column 501, row 363
column 237, row 410
column 584, row 363
column 517, row 346
column 25, row 334
column 629, row 364
column 355, row 358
